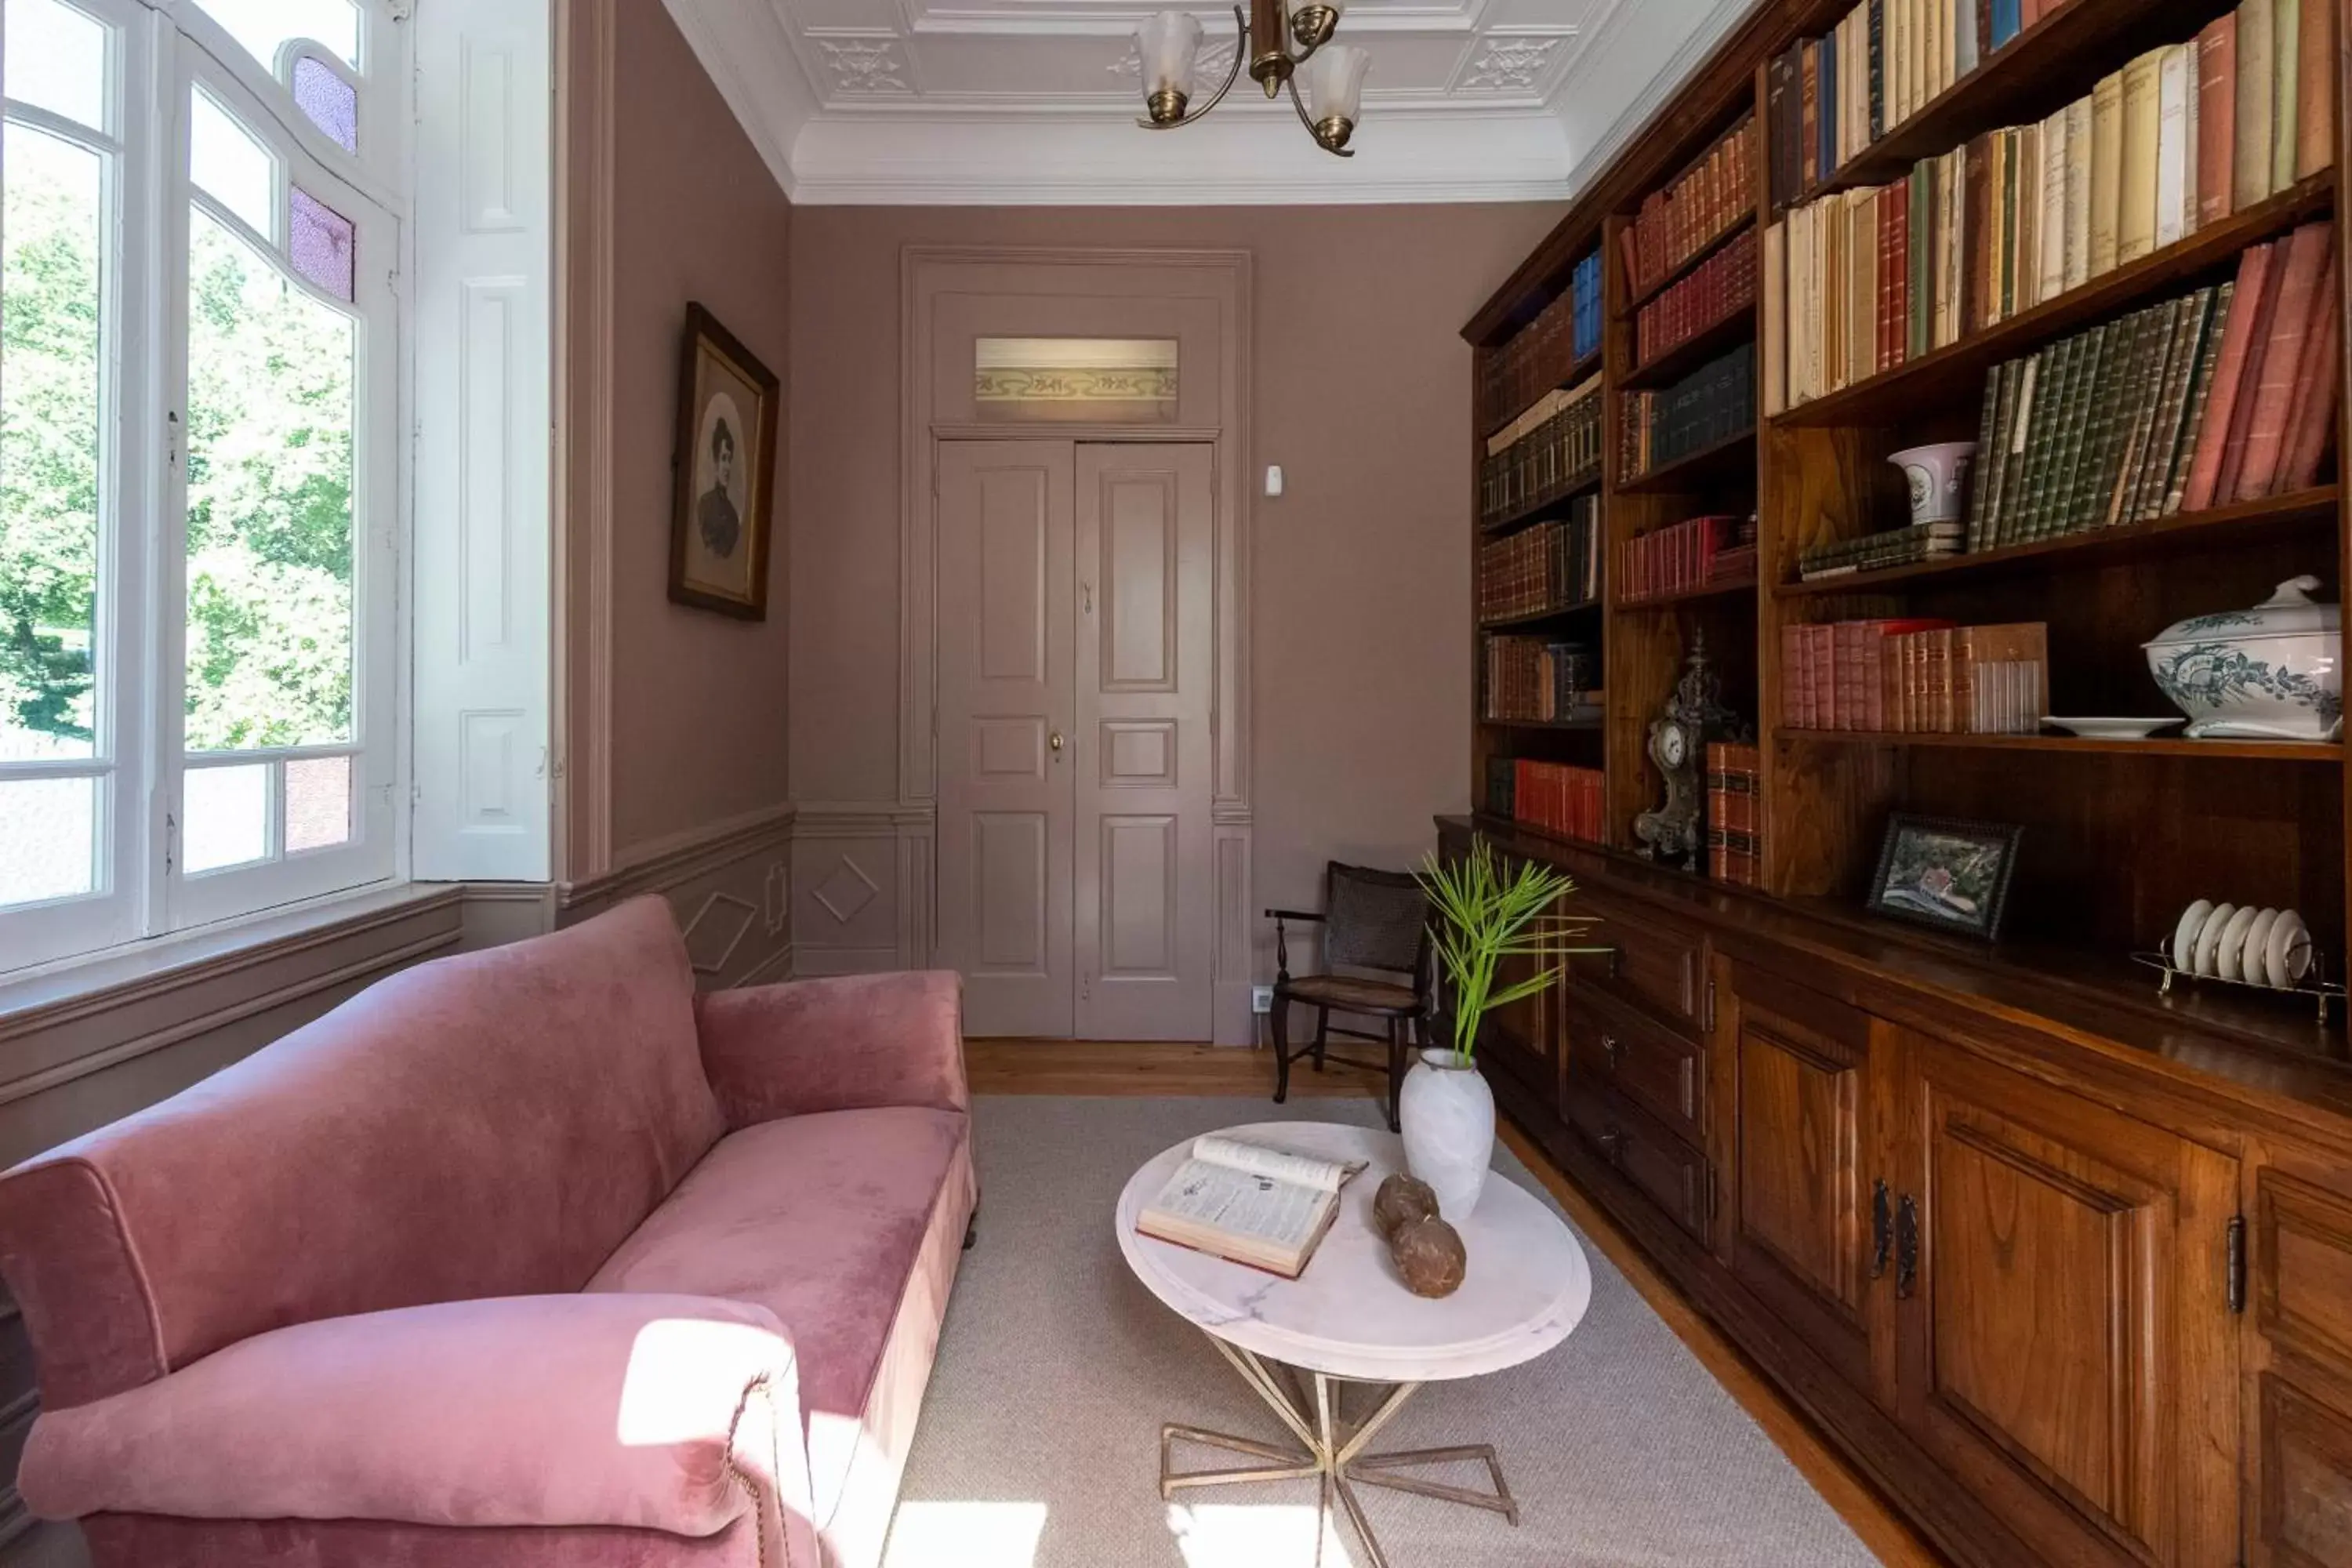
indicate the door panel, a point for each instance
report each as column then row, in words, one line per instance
column 2068, row 1314
column 1144, row 662
column 1801, row 1237
column 1007, row 654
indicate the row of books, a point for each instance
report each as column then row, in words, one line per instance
column 1693, row 212
column 1722, row 285
column 1541, row 354
column 1830, row 98
column 1893, row 547
column 1571, row 802
column 1552, row 566
column 1735, row 814
column 1910, row 676
column 2178, row 138
column 1714, row 402
column 2227, row 395
column 1704, row 553
column 1534, row 680
column 1542, row 455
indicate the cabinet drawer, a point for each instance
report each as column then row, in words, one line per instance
column 1654, row 966
column 1668, row 1171
column 1660, row 1070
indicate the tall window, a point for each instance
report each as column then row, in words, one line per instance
column 199, row 485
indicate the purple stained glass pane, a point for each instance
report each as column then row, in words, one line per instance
column 323, row 245
column 333, row 103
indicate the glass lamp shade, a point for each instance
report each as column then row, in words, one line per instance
column 1169, row 44
column 1335, row 83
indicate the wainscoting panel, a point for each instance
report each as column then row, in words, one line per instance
column 731, row 887
column 861, row 887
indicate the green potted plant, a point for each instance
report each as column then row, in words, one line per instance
column 1482, row 916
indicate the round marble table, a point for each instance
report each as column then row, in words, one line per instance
column 1348, row 1320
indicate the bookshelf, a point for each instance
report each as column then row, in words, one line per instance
column 1751, row 1065
column 1817, row 472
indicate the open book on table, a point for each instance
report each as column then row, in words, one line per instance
column 1250, row 1202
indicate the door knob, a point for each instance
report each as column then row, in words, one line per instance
column 1055, row 743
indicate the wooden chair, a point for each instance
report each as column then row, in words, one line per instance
column 1371, row 920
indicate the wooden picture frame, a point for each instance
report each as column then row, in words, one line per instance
column 723, row 517
column 1916, row 881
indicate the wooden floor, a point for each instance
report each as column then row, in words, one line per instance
column 1080, row 1068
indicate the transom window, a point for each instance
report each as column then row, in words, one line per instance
column 199, row 393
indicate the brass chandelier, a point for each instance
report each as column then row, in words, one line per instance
column 1170, row 45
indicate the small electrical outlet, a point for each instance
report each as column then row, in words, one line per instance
column 1260, row 1000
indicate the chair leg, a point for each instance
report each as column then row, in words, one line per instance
column 1281, row 1021
column 1396, row 1074
column 1322, row 1034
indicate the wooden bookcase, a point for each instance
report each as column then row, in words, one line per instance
column 2120, row 836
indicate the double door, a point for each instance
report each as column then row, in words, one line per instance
column 1075, row 662
column 2035, row 1286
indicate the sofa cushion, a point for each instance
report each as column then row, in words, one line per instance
column 818, row 1218
column 492, row 1125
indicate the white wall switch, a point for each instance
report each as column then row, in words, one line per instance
column 1274, row 479
column 1260, row 1000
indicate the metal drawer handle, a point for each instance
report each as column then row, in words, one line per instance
column 1613, row 1144
column 1609, row 1048
column 1907, row 1249
column 1882, row 1228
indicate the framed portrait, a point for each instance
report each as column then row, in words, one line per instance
column 1950, row 875
column 726, row 463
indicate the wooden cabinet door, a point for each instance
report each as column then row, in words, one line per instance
column 1524, row 1038
column 2065, row 1344
column 1804, row 1167
column 2300, row 1384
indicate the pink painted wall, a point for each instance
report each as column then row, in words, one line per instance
column 698, row 699
column 1361, row 576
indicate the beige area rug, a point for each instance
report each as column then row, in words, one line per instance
column 1039, row 1443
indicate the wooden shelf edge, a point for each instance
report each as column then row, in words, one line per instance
column 1690, row 595
column 1671, row 365
column 2126, row 285
column 1538, row 618
column 2159, row 746
column 1564, row 726
column 1582, row 371
column 2089, row 546
column 1689, row 263
column 1670, row 474
column 1537, row 512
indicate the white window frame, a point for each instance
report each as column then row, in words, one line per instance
column 160, row 52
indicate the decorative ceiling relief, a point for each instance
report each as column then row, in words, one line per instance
column 1509, row 64
column 863, row 66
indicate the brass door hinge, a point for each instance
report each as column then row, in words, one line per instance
column 2236, row 1243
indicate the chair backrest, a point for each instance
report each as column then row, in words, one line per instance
column 1373, row 919
column 493, row 1124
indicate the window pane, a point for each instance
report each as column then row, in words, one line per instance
column 57, row 60
column 226, row 821
column 331, row 103
column 227, row 164
column 264, row 26
column 48, row 839
column 323, row 241
column 50, row 381
column 317, row 804
column 270, row 418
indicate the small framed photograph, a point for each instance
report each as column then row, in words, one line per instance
column 726, row 463
column 1948, row 875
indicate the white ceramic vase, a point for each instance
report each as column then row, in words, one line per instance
column 1939, row 478
column 1448, row 1114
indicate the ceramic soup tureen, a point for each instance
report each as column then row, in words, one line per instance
column 2271, row 673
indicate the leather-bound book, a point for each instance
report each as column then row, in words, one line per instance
column 2319, row 384
column 2217, row 118
column 2291, row 331
column 2247, row 322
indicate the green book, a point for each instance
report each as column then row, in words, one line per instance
column 2038, row 518
column 2200, row 388
column 2074, row 429
column 1919, row 329
column 1988, row 443
column 2013, row 462
column 2084, row 485
column 2115, row 420
column 2000, row 390
column 2171, row 404
column 2141, row 396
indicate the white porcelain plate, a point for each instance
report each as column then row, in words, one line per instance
column 2288, row 957
column 2110, row 728
column 2253, row 964
column 2233, row 942
column 2184, row 935
column 2208, row 940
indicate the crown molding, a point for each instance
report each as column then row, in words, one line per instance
column 749, row 57
column 1625, row 46
column 999, row 160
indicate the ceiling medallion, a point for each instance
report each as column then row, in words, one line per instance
column 1169, row 47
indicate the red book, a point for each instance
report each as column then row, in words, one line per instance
column 2247, row 323
column 2290, row 328
column 2318, row 384
column 2217, row 117
column 1897, row 281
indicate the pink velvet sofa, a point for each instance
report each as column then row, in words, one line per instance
column 530, row 1257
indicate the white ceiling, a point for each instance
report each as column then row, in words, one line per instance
column 1028, row 101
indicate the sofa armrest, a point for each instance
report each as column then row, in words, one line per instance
column 851, row 1043
column 677, row 1414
